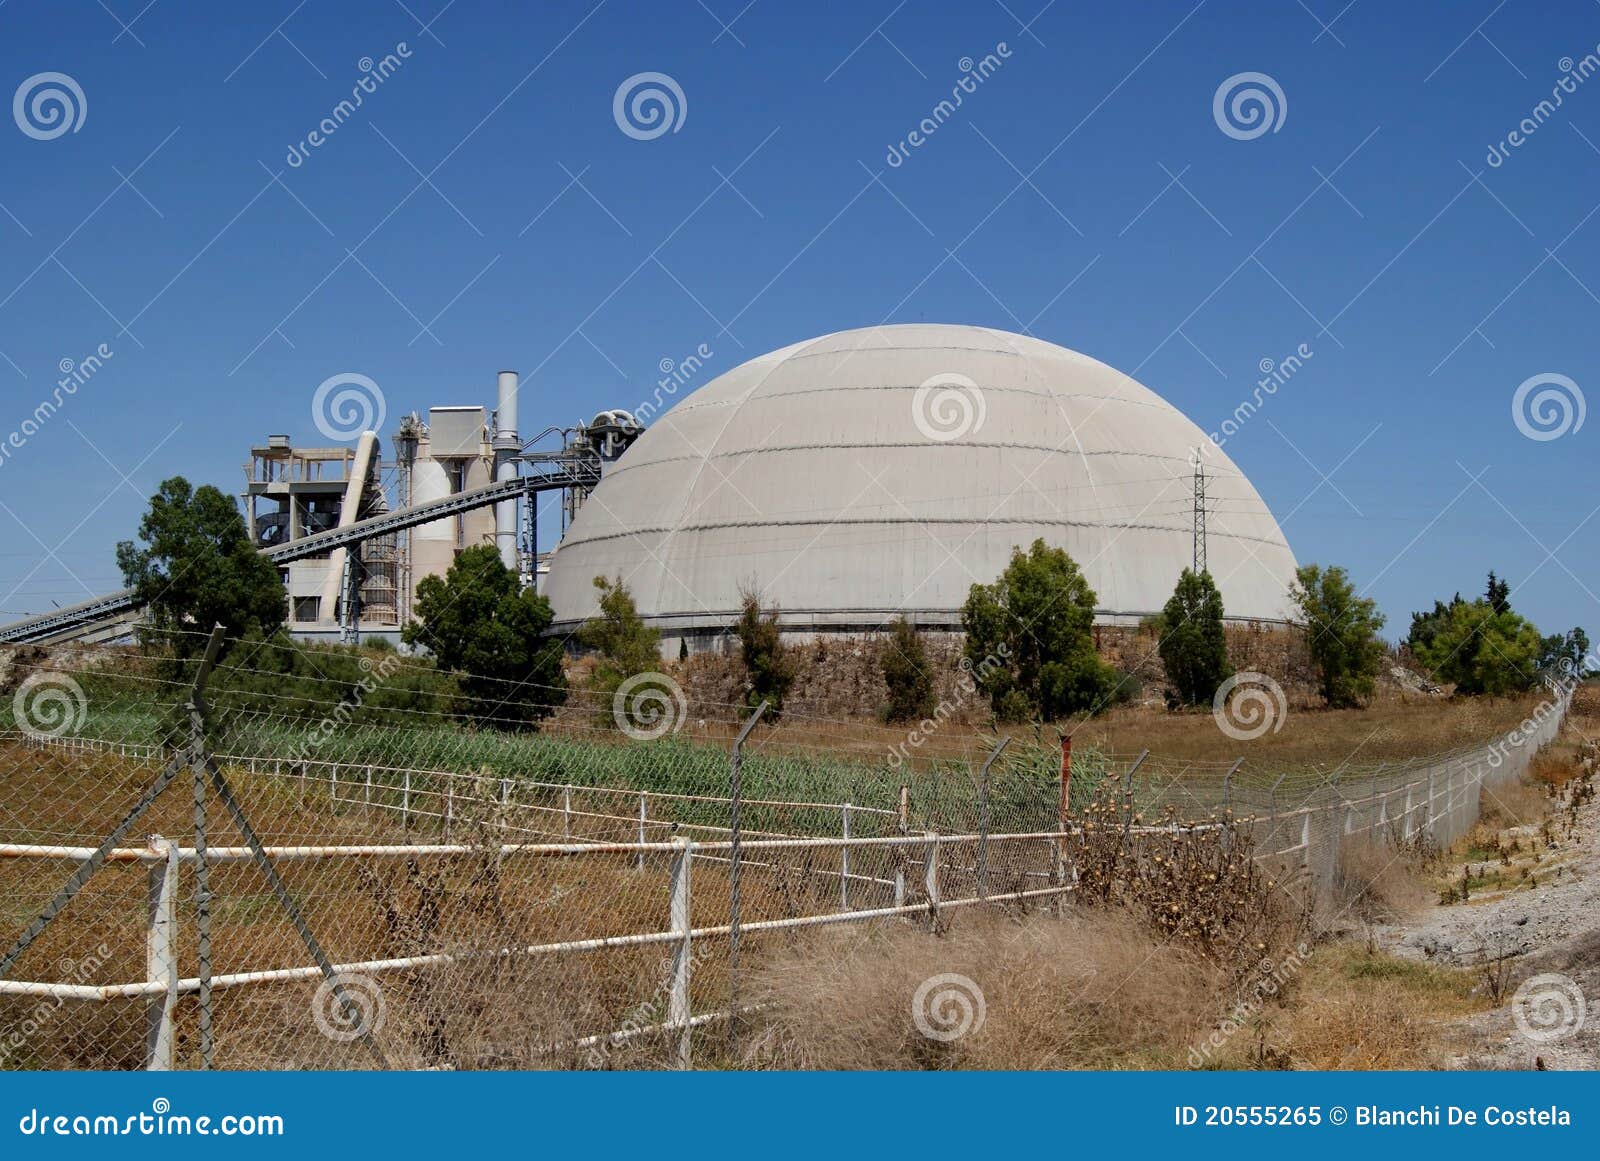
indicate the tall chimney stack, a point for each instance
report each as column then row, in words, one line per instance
column 506, row 448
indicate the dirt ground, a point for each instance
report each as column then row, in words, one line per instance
column 1536, row 914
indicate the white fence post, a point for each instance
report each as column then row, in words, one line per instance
column 930, row 877
column 405, row 802
column 161, row 954
column 678, row 1011
column 366, row 795
column 644, row 806
column 844, row 858
column 1450, row 802
column 1433, row 778
column 566, row 811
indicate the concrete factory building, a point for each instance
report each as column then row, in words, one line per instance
column 292, row 493
column 881, row 471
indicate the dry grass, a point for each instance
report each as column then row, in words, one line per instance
column 1386, row 730
column 1520, row 803
column 1376, row 882
column 1390, row 728
column 1095, row 989
column 1351, row 1008
column 1091, row 990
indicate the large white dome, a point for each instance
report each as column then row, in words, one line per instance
column 885, row 471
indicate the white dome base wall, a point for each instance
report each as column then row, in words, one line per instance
column 883, row 471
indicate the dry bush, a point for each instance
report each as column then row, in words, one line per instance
column 1090, row 990
column 1196, row 883
column 1554, row 766
column 1376, row 882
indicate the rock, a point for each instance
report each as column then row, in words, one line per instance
column 1413, row 682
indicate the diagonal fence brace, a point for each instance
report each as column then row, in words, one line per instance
column 280, row 890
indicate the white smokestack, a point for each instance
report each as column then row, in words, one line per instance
column 506, row 447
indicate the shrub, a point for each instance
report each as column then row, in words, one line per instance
column 1341, row 633
column 1482, row 651
column 480, row 623
column 1196, row 884
column 626, row 645
column 1029, row 639
column 1194, row 648
column 769, row 666
column 907, row 673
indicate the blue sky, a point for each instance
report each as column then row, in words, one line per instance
column 483, row 210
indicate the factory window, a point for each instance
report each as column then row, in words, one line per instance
column 307, row 608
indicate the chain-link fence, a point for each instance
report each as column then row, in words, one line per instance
column 241, row 886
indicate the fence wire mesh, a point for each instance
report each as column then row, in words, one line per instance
column 400, row 890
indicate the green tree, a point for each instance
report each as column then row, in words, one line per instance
column 1566, row 653
column 619, row 634
column 1341, row 633
column 1497, row 595
column 479, row 623
column 908, row 674
column 626, row 646
column 1482, row 651
column 1029, row 639
column 1194, row 648
column 197, row 567
column 1425, row 627
column 769, row 666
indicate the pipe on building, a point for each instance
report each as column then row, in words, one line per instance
column 506, row 448
column 349, row 513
